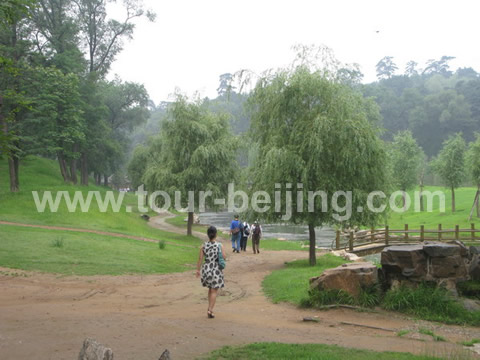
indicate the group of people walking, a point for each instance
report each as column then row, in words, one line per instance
column 211, row 260
column 241, row 231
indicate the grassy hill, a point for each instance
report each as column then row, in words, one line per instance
column 463, row 198
column 80, row 253
column 38, row 174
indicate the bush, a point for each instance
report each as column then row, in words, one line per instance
column 162, row 244
column 368, row 297
column 430, row 303
column 469, row 289
column 58, row 242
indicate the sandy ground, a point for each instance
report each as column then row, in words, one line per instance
column 46, row 316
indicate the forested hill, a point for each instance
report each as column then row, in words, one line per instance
column 433, row 105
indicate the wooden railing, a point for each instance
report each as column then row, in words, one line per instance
column 387, row 236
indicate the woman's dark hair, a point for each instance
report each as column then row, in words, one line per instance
column 212, row 232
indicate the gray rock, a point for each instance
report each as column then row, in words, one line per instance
column 408, row 261
column 448, row 267
column 474, row 270
column 471, row 305
column 474, row 250
column 165, row 355
column 92, row 350
column 441, row 250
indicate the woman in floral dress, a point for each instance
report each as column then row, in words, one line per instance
column 212, row 275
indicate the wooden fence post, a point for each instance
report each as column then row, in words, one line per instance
column 439, row 232
column 406, row 232
column 350, row 241
column 472, row 226
column 337, row 240
column 457, row 232
column 422, row 233
column 372, row 234
column 386, row 235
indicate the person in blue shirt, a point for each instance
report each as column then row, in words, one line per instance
column 236, row 232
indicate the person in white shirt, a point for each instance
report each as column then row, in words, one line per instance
column 245, row 235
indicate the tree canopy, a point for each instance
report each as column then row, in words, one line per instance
column 318, row 132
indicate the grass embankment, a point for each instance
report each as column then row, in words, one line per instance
column 463, row 200
column 306, row 351
column 73, row 253
column 290, row 284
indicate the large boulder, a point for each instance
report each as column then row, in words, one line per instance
column 448, row 267
column 441, row 250
column 431, row 261
column 408, row 261
column 348, row 277
column 475, row 268
column 92, row 350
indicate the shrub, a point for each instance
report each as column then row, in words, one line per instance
column 58, row 242
column 368, row 297
column 162, row 244
column 429, row 303
column 469, row 289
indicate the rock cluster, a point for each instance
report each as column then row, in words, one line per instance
column 445, row 264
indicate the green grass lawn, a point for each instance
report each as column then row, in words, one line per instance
column 88, row 254
column 38, row 174
column 290, row 284
column 306, row 351
column 463, row 198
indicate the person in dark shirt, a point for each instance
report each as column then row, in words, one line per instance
column 256, row 232
column 235, row 231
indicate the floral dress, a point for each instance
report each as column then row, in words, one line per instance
column 212, row 276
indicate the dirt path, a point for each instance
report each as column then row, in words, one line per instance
column 47, row 316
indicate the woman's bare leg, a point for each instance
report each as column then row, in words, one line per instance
column 209, row 298
column 212, row 298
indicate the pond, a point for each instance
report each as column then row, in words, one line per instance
column 325, row 235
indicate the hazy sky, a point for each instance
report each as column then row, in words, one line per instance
column 192, row 42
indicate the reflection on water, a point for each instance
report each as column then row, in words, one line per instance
column 325, row 235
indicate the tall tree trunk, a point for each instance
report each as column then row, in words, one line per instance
column 421, row 197
column 63, row 167
column 453, row 199
column 13, row 175
column 478, row 202
column 73, row 166
column 84, row 169
column 190, row 223
column 11, row 163
column 105, row 180
column 73, row 171
column 16, row 165
column 313, row 245
column 404, row 200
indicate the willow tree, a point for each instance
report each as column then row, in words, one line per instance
column 195, row 152
column 406, row 158
column 450, row 163
column 473, row 166
column 314, row 130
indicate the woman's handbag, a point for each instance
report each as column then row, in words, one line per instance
column 221, row 260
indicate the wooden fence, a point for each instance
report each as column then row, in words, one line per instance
column 386, row 236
